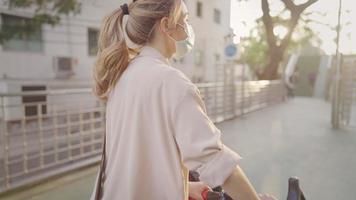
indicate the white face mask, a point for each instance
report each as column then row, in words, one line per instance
column 186, row 45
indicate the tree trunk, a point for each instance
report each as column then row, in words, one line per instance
column 276, row 51
column 270, row 71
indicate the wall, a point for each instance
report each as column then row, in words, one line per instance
column 70, row 39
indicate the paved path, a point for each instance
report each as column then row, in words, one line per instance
column 288, row 139
column 296, row 139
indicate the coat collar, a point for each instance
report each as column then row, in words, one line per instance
column 152, row 52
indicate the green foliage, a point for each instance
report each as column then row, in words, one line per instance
column 254, row 52
column 255, row 47
column 44, row 12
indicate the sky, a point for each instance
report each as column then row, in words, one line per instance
column 244, row 14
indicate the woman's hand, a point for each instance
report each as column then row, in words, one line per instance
column 196, row 189
column 266, row 197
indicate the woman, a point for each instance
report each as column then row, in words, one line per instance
column 156, row 123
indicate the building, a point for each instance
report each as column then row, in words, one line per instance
column 211, row 23
column 63, row 56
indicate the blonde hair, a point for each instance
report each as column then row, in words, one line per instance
column 113, row 54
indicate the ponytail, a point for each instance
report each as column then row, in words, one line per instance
column 113, row 54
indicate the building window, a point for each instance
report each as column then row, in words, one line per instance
column 24, row 34
column 217, row 58
column 199, row 9
column 63, row 67
column 217, row 16
column 93, row 35
column 198, row 57
column 34, row 104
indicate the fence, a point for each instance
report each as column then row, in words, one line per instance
column 63, row 131
column 347, row 93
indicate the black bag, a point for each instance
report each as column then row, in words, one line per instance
column 101, row 178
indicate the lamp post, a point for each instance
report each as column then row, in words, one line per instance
column 336, row 83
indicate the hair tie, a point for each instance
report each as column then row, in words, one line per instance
column 125, row 9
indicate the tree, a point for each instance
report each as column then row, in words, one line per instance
column 255, row 49
column 276, row 47
column 44, row 12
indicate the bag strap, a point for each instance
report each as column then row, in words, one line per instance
column 101, row 179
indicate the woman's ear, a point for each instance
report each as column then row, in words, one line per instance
column 164, row 25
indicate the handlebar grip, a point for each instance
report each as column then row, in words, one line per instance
column 294, row 191
column 210, row 195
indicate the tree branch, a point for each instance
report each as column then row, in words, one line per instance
column 285, row 41
column 268, row 23
column 289, row 4
column 305, row 5
column 296, row 11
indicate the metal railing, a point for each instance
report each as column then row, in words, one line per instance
column 44, row 138
column 64, row 131
column 347, row 93
column 226, row 101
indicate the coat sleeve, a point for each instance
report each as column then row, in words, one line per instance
column 199, row 140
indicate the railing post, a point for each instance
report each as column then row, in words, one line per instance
column 81, row 130
column 216, row 101
column 224, row 99
column 24, row 137
column 40, row 133
column 92, row 129
column 233, row 92
column 103, row 121
column 69, row 135
column 242, row 90
column 55, row 132
column 5, row 140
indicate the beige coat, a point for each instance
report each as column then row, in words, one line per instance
column 157, row 128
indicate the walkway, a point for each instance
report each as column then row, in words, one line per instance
column 288, row 139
